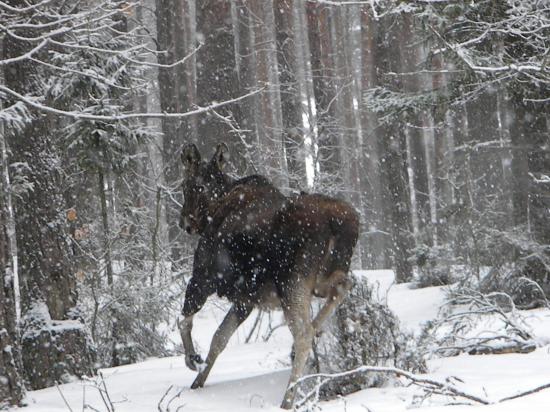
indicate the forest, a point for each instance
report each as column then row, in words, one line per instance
column 430, row 117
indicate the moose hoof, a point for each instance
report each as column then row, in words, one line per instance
column 194, row 362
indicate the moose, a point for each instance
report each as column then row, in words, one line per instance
column 260, row 248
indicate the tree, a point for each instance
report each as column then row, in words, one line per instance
column 291, row 62
column 11, row 381
column 269, row 115
column 375, row 240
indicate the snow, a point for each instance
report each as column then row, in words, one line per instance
column 252, row 377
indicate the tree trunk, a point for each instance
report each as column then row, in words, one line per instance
column 346, row 41
column 11, row 381
column 169, row 79
column 45, row 256
column 216, row 73
column 269, row 121
column 442, row 154
column 328, row 159
column 393, row 150
column 531, row 188
column 411, row 84
column 246, row 112
column 289, row 47
column 376, row 239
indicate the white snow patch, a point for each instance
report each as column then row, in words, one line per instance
column 252, row 377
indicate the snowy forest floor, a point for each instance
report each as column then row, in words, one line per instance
column 252, row 377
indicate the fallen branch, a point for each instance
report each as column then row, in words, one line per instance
column 525, row 393
column 431, row 386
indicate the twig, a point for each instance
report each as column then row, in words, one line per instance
column 159, row 406
column 63, row 397
column 110, row 405
column 525, row 393
column 172, row 400
column 256, row 323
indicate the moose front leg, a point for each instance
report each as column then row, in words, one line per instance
column 195, row 297
column 236, row 315
column 192, row 359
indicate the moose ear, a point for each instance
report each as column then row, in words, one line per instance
column 190, row 157
column 221, row 156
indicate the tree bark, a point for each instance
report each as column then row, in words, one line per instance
column 393, row 149
column 442, row 154
column 328, row 158
column 11, row 382
column 269, row 121
column 246, row 113
column 409, row 49
column 45, row 259
column 216, row 72
column 376, row 239
column 288, row 46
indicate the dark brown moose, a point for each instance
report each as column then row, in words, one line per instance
column 259, row 248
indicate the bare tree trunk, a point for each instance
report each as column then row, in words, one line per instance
column 216, row 74
column 442, row 154
column 169, row 30
column 106, row 227
column 269, row 120
column 520, row 167
column 375, row 239
column 246, row 113
column 288, row 44
column 410, row 51
column 6, row 205
column 393, row 149
column 185, row 45
column 11, row 386
column 346, row 40
column 322, row 67
column 531, row 189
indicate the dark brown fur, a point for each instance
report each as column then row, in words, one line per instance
column 258, row 247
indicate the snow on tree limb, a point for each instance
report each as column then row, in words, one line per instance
column 431, row 386
column 127, row 116
column 434, row 386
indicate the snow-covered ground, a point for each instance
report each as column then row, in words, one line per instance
column 252, row 377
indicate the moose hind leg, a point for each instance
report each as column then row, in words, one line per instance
column 236, row 315
column 339, row 286
column 298, row 315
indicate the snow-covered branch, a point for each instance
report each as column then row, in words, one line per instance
column 34, row 102
column 432, row 386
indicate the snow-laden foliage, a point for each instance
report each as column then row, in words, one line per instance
column 481, row 317
column 130, row 315
column 363, row 331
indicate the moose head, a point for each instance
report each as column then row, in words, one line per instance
column 204, row 183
